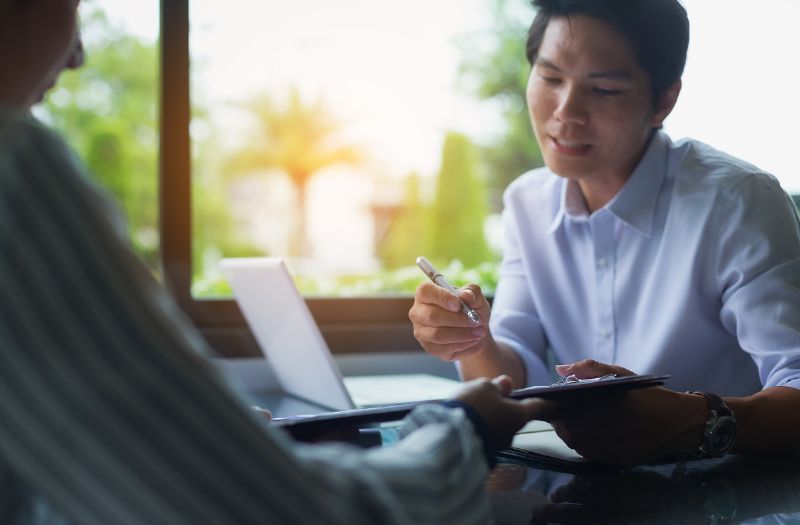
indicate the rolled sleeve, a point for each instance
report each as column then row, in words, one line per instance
column 759, row 278
column 515, row 321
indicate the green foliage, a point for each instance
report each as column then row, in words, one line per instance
column 405, row 239
column 107, row 111
column 298, row 138
column 496, row 69
column 459, row 209
column 397, row 282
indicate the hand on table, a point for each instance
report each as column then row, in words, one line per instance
column 626, row 428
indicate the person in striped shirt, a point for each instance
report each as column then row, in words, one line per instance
column 109, row 412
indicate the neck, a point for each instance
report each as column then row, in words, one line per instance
column 599, row 193
column 598, row 190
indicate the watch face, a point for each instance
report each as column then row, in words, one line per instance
column 722, row 435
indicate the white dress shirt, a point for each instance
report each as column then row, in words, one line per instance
column 692, row 270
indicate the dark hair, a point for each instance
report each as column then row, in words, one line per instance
column 658, row 32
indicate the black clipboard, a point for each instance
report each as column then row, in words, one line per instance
column 313, row 425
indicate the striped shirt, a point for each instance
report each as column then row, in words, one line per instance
column 110, row 414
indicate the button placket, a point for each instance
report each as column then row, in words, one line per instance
column 603, row 239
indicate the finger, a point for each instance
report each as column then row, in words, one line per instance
column 263, row 412
column 503, row 383
column 429, row 293
column 589, row 368
column 422, row 314
column 472, row 295
column 443, row 335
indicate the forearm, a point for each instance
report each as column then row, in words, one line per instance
column 493, row 360
column 768, row 421
column 437, row 471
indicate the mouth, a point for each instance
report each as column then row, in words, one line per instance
column 569, row 147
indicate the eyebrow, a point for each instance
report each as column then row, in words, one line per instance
column 612, row 74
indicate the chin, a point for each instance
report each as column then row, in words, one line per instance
column 568, row 170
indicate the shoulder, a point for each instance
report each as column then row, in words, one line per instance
column 705, row 169
column 20, row 132
column 29, row 149
column 736, row 198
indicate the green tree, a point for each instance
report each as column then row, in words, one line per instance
column 299, row 139
column 496, row 69
column 460, row 206
column 405, row 239
column 107, row 111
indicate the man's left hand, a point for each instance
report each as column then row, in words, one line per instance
column 627, row 428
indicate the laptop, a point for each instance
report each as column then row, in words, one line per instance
column 297, row 353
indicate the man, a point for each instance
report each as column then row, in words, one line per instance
column 109, row 413
column 631, row 252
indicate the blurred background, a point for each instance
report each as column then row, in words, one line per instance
column 351, row 136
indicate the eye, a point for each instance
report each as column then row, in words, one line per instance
column 550, row 80
column 606, row 92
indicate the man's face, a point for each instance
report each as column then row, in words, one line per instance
column 589, row 101
column 72, row 60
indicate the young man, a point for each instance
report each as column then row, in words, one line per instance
column 109, row 413
column 631, row 252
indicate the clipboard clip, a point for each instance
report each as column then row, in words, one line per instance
column 573, row 379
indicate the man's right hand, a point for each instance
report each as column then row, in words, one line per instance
column 442, row 328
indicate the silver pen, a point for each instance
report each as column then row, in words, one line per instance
column 435, row 276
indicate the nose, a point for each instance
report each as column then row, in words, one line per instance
column 77, row 54
column 571, row 107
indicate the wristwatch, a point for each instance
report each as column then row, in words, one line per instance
column 720, row 429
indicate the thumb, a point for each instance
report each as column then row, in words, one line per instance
column 503, row 383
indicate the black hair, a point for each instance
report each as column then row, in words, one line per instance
column 657, row 30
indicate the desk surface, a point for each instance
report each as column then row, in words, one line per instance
column 735, row 489
column 729, row 490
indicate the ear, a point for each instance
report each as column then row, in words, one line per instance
column 665, row 103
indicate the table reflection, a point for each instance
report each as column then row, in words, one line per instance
column 752, row 490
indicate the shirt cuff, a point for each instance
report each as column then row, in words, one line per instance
column 481, row 428
column 535, row 369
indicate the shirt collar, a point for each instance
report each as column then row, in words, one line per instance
column 635, row 203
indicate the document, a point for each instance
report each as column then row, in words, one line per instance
column 538, row 445
column 308, row 426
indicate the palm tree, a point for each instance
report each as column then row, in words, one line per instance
column 299, row 140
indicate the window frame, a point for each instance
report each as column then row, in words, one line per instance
column 349, row 325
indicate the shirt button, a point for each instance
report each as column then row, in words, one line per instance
column 604, row 333
column 602, row 263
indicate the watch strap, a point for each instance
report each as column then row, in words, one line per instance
column 717, row 410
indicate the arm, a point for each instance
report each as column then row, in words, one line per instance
column 755, row 274
column 110, row 412
column 758, row 275
column 644, row 426
column 445, row 332
column 768, row 421
column 511, row 340
column 492, row 360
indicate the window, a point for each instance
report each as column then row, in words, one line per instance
column 348, row 138
column 333, row 61
column 345, row 137
column 429, row 89
column 108, row 111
